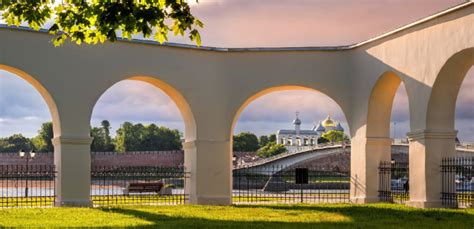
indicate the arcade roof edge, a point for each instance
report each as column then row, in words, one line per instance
column 267, row 49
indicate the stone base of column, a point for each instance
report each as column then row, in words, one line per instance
column 364, row 200
column 210, row 165
column 425, row 204
column 211, row 200
column 73, row 203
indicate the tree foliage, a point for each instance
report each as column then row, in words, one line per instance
column 246, row 142
column 272, row 138
column 102, row 142
column 138, row 137
column 129, row 137
column 96, row 21
column 334, row 136
column 264, row 139
column 42, row 142
column 322, row 140
column 271, row 149
column 15, row 143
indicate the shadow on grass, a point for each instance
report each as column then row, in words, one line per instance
column 361, row 217
column 164, row 221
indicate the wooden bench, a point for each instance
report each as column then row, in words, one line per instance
column 154, row 187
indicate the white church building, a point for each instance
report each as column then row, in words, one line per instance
column 297, row 138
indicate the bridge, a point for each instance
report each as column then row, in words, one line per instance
column 212, row 85
column 271, row 165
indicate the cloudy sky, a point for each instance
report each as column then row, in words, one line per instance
column 264, row 23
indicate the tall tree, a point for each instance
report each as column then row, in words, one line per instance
column 97, row 21
column 42, row 142
column 245, row 142
column 161, row 138
column 98, row 143
column 263, row 141
column 126, row 138
column 146, row 138
column 108, row 144
column 272, row 138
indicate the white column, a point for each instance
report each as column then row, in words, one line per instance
column 209, row 163
column 427, row 149
column 72, row 160
column 366, row 155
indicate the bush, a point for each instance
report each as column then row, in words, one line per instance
column 271, row 149
column 245, row 142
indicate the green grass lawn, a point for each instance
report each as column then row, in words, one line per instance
column 260, row 216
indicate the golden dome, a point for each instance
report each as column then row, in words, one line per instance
column 328, row 122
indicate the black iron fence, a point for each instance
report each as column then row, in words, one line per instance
column 27, row 185
column 138, row 185
column 280, row 184
column 393, row 182
column 458, row 182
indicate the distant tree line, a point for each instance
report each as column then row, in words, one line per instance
column 139, row 137
column 41, row 142
column 265, row 146
column 130, row 137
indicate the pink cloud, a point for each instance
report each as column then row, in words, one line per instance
column 306, row 22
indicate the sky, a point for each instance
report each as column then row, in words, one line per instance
column 254, row 23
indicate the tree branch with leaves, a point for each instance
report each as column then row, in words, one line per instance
column 96, row 21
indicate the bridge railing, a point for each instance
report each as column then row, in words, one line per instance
column 286, row 154
column 465, row 145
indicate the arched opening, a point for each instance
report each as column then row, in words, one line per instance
column 28, row 121
column 452, row 184
column 444, row 94
column 381, row 106
column 464, row 119
column 284, row 134
column 139, row 126
column 42, row 91
column 387, row 125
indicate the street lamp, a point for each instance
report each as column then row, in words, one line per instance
column 28, row 157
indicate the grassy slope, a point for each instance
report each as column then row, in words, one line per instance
column 268, row 216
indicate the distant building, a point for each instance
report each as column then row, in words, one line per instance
column 328, row 124
column 298, row 137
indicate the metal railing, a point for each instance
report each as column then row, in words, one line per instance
column 465, row 145
column 457, row 182
column 393, row 182
column 280, row 184
column 27, row 185
column 138, row 185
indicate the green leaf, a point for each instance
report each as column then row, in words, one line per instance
column 196, row 37
column 76, row 19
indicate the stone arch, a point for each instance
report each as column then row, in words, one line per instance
column 43, row 92
column 440, row 114
column 380, row 105
column 176, row 97
column 282, row 88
